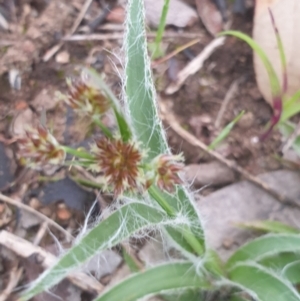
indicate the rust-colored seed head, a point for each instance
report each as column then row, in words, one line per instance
column 39, row 148
column 119, row 162
column 167, row 168
column 86, row 100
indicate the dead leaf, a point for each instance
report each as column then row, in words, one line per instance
column 286, row 14
column 22, row 120
column 210, row 16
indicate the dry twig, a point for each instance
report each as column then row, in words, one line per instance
column 196, row 142
column 35, row 212
column 195, row 65
column 26, row 249
column 49, row 54
column 120, row 35
column 229, row 95
column 14, row 277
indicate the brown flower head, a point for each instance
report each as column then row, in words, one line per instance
column 119, row 162
column 166, row 169
column 39, row 148
column 86, row 100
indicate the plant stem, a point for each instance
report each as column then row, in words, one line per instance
column 77, row 153
column 104, row 129
column 186, row 231
column 87, row 183
column 161, row 201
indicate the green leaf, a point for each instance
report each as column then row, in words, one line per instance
column 291, row 107
column 190, row 239
column 187, row 295
column 238, row 298
column 225, row 132
column 165, row 277
column 292, row 272
column 285, row 264
column 129, row 260
column 118, row 226
column 287, row 129
column 269, row 226
column 274, row 82
column 147, row 126
column 140, row 92
column 262, row 284
column 264, row 246
column 123, row 125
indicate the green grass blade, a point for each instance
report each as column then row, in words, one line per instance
column 287, row 129
column 123, row 125
column 156, row 46
column 140, row 92
column 269, row 226
column 169, row 276
column 262, row 284
column 274, row 82
column 118, row 226
column 291, row 107
column 225, row 132
column 265, row 246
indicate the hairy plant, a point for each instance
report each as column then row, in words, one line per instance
column 135, row 164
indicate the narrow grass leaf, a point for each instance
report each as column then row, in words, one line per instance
column 171, row 276
column 225, row 132
column 274, row 82
column 156, row 46
column 262, row 284
column 291, row 107
column 287, row 129
column 265, row 246
column 118, row 226
column 269, row 226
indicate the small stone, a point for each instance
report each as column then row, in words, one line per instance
column 246, row 120
column 35, row 203
column 62, row 57
column 213, row 174
column 227, row 243
column 63, row 213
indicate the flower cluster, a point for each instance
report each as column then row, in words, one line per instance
column 166, row 171
column 120, row 164
column 86, row 100
column 38, row 148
